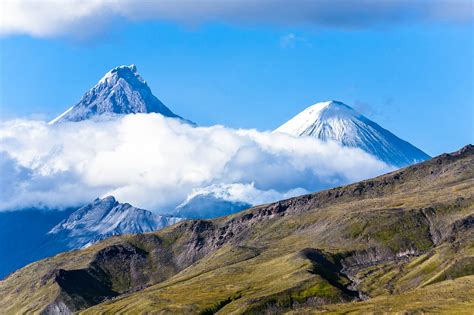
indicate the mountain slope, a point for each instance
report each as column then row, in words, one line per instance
column 406, row 234
column 338, row 122
column 101, row 219
column 121, row 91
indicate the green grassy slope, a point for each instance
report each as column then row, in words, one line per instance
column 447, row 297
column 399, row 236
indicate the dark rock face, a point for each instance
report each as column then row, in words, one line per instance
column 115, row 270
column 329, row 270
column 461, row 227
column 84, row 286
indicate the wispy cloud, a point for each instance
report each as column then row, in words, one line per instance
column 371, row 110
column 45, row 18
column 155, row 163
column 290, row 40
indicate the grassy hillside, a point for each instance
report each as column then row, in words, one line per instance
column 449, row 297
column 384, row 243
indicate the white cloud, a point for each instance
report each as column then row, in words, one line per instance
column 155, row 163
column 45, row 18
column 248, row 193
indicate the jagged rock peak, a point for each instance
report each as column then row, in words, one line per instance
column 120, row 91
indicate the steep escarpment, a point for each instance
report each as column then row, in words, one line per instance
column 400, row 233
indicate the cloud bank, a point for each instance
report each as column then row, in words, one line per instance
column 155, row 163
column 46, row 18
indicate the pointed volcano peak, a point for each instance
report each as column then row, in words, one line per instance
column 338, row 105
column 331, row 103
column 120, row 91
column 316, row 114
column 127, row 73
column 336, row 121
column 121, row 70
column 329, row 109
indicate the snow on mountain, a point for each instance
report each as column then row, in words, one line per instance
column 206, row 206
column 336, row 121
column 28, row 235
column 223, row 199
column 211, row 202
column 121, row 91
column 104, row 218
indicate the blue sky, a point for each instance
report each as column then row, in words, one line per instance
column 415, row 79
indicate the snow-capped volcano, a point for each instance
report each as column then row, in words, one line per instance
column 121, row 91
column 104, row 218
column 336, row 121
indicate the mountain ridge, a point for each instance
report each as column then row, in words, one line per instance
column 104, row 218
